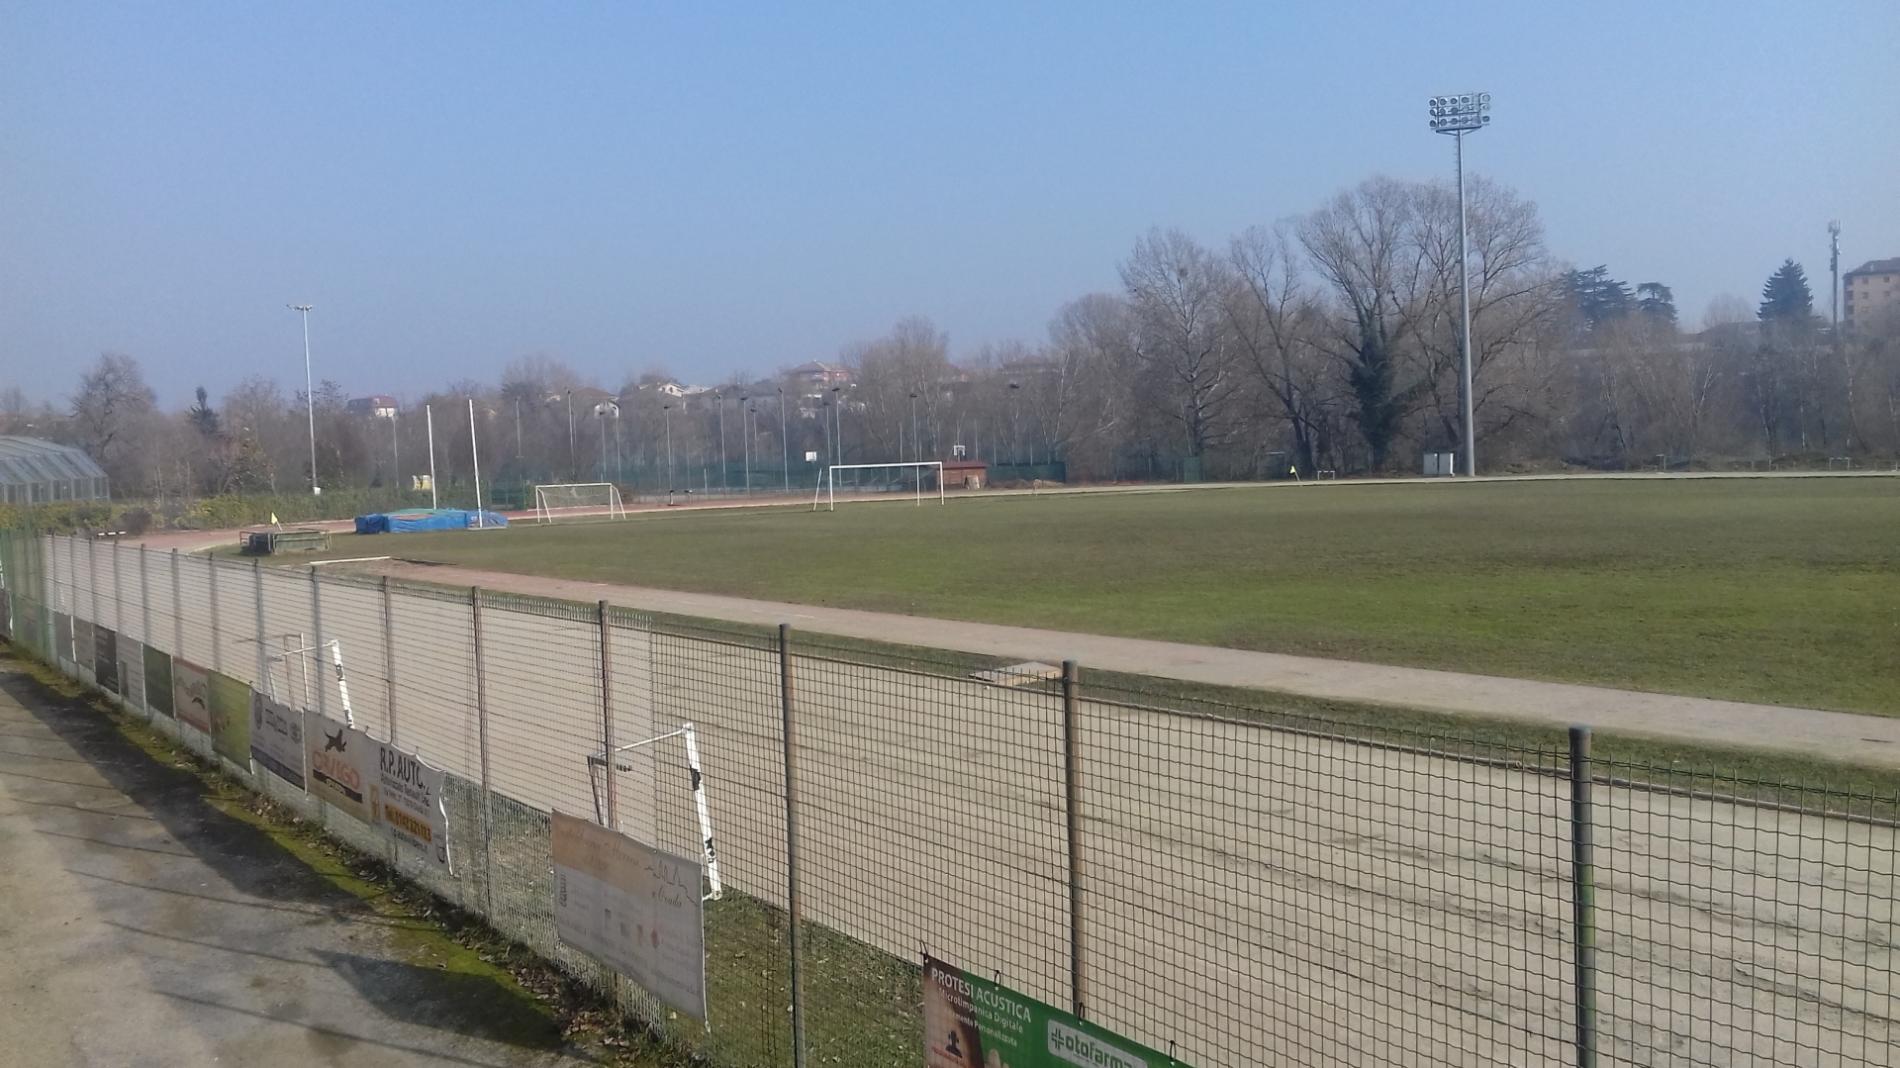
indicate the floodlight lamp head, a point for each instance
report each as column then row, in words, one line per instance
column 1460, row 112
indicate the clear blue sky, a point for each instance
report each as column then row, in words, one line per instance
column 711, row 187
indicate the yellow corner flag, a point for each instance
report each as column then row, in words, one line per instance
column 273, row 519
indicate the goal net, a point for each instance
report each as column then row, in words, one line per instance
column 870, row 481
column 576, row 499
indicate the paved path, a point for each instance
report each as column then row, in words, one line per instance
column 141, row 926
column 1833, row 735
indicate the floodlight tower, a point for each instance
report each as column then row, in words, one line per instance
column 1458, row 115
column 1834, row 267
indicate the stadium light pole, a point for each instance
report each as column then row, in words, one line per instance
column 573, row 461
column 837, row 415
column 1459, row 114
column 309, row 396
column 745, row 421
column 1834, row 294
column 725, row 477
column 668, row 409
column 784, row 443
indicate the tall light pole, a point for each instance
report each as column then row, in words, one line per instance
column 573, row 464
column 668, row 416
column 784, row 443
column 309, row 397
column 916, row 444
column 749, row 412
column 725, row 479
column 1834, row 268
column 837, row 416
column 1458, row 115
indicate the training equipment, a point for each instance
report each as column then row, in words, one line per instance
column 576, row 499
column 881, row 479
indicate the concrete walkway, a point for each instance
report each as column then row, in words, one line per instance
column 1832, row 735
column 142, row 926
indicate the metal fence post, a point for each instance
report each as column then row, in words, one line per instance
column 316, row 665
column 1583, row 895
column 794, row 908
column 145, row 599
column 1072, row 794
column 178, row 616
column 217, row 631
column 481, row 735
column 607, row 716
column 263, row 634
column 389, row 660
column 92, row 576
column 118, row 589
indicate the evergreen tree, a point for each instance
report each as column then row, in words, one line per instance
column 1597, row 297
column 1656, row 304
column 1785, row 298
column 203, row 417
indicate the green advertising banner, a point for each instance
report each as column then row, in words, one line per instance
column 158, row 681
column 231, row 718
column 973, row 1023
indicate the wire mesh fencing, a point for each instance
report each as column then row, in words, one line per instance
column 1226, row 882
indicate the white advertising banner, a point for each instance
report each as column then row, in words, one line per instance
column 408, row 796
column 191, row 695
column 634, row 908
column 277, row 738
column 342, row 764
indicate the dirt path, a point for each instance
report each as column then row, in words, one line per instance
column 1832, row 735
column 143, row 926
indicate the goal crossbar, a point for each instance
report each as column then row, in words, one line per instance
column 570, row 498
column 827, row 490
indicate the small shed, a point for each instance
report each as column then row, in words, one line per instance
column 965, row 474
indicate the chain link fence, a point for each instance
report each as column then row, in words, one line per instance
column 1230, row 884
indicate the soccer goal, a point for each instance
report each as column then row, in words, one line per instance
column 576, row 499
column 916, row 478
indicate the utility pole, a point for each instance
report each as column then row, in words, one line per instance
column 1458, row 115
column 428, row 414
column 784, row 443
column 309, row 395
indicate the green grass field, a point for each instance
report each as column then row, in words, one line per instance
column 1783, row 591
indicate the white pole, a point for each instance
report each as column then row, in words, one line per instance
column 474, row 450
column 309, row 396
column 705, row 817
column 428, row 413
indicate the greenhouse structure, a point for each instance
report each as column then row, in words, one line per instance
column 33, row 471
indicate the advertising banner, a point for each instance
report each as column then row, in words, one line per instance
column 82, row 634
column 230, row 718
column 132, row 672
column 342, row 762
column 191, row 694
column 105, row 658
column 277, row 738
column 158, row 681
column 408, row 800
column 970, row 1022
column 637, row 909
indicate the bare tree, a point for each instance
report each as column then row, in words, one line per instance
column 110, row 410
column 1177, row 290
column 1278, row 325
column 1516, row 307
column 1364, row 246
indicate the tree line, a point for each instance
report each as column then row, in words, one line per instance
column 1329, row 340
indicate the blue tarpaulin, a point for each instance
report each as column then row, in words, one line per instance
column 427, row 519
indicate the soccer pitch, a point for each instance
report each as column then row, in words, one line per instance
column 1774, row 590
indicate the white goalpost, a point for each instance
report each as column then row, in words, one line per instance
column 909, row 476
column 577, row 499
